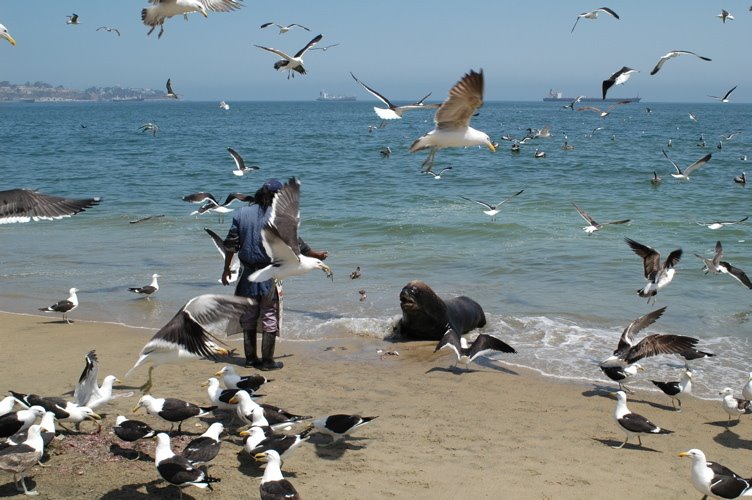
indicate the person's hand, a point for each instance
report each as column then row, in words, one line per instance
column 226, row 275
column 318, row 255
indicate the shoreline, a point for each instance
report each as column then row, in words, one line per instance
column 439, row 434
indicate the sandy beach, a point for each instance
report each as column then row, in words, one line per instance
column 497, row 432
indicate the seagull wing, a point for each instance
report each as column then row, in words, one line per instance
column 585, row 215
column 692, row 53
column 276, row 51
column 651, row 258
column 22, row 205
column 661, row 62
column 609, row 12
column 265, row 25
column 298, row 25
column 575, row 24
column 239, row 163
column 280, row 233
column 678, row 170
column 627, row 336
column 637, row 423
column 443, row 170
column 699, row 163
column 464, row 98
column 509, row 198
column 653, row 345
column 222, row 5
column 488, row 343
column 374, row 93
column 310, row 44
column 420, row 101
column 479, row 203
column 737, row 273
column 672, row 259
column 450, row 340
column 87, row 382
column 589, row 108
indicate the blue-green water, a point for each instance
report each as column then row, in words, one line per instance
column 559, row 296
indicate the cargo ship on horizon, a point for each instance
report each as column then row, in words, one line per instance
column 558, row 96
column 324, row 96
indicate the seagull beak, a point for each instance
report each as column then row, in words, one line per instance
column 491, row 147
column 642, row 369
column 219, row 373
column 203, row 13
column 234, row 400
column 94, row 416
column 245, row 433
column 135, row 409
column 328, row 271
column 683, row 454
column 9, row 38
column 260, row 457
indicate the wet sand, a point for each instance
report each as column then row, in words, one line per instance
column 498, row 431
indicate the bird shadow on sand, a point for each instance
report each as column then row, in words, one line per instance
column 9, row 489
column 130, row 454
column 723, row 423
column 628, row 446
column 730, row 439
column 57, row 322
column 154, row 489
column 328, row 449
column 458, row 370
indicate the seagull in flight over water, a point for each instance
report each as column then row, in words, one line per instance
column 292, row 63
column 593, row 14
column 684, row 174
column 658, row 274
column 170, row 93
column 240, row 166
column 492, row 209
column 109, row 29
column 594, row 226
column 394, row 112
column 618, row 78
column 671, row 55
column 725, row 97
column 717, row 266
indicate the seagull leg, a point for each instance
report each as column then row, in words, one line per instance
column 639, row 440
column 679, row 400
column 27, row 492
column 147, row 385
column 621, row 445
column 428, row 162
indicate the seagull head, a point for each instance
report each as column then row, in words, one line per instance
column 727, row 391
column 327, row 270
column 694, row 453
column 490, row 145
column 4, row 34
column 202, row 9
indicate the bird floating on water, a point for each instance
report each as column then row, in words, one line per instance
column 161, row 10
column 671, row 55
column 593, row 14
column 292, row 63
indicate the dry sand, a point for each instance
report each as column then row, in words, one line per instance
column 497, row 432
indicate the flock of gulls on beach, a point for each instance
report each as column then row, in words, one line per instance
column 190, row 334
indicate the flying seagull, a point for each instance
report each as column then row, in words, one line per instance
column 594, row 226
column 493, row 209
column 4, row 34
column 693, row 117
column 684, row 174
column 717, row 266
column 294, row 63
column 149, row 127
column 713, row 479
column 109, row 29
column 725, row 97
column 627, row 352
column 631, row 423
column 188, row 335
column 719, row 224
column 284, row 29
column 170, row 92
column 724, row 15
column 24, row 205
column 162, row 10
column 672, row 54
column 593, row 14
column 280, row 238
column 437, row 176
column 393, row 112
column 483, row 345
column 72, row 19
column 618, row 78
column 601, row 112
column 325, row 48
column 658, row 274
column 240, row 166
column 64, row 306
column 452, row 120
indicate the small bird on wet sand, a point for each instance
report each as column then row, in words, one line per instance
column 631, row 423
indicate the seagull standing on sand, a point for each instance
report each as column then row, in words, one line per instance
column 725, row 97
column 22, row 457
column 172, row 410
column 339, row 426
column 24, row 205
column 177, row 470
column 684, row 174
column 658, row 274
column 594, row 226
column 492, row 209
column 64, row 306
column 482, row 345
column 393, row 112
column 713, row 479
column 292, row 63
column 204, row 448
column 280, row 238
column 734, row 407
column 677, row 390
column 240, row 166
column 132, row 431
column 147, row 290
column 284, row 444
column 621, row 373
column 273, row 485
column 716, row 266
column 162, row 10
column 4, row 34
column 452, row 120
column 672, row 54
column 618, row 78
column 187, row 335
column 631, row 423
column 284, row 29
column 593, row 14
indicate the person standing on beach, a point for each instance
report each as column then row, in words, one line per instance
column 244, row 238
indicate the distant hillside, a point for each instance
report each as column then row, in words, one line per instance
column 40, row 91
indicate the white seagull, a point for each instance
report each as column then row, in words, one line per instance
column 452, row 120
column 240, row 166
column 109, row 29
column 88, row 392
column 677, row 390
column 713, row 479
column 4, row 34
column 482, row 345
column 672, row 54
column 162, row 10
column 273, row 484
column 187, row 335
column 717, row 266
column 593, row 14
column 172, row 410
column 437, row 176
column 719, row 223
column 24, row 205
column 147, row 290
column 177, row 470
column 631, row 423
column 725, row 15
column 658, row 274
column 725, row 97
column 64, row 306
column 618, row 78
column 284, row 29
column 684, row 174
column 393, row 112
column 325, row 48
column 280, row 238
column 734, row 407
column 594, row 226
column 747, row 389
column 292, row 63
column 492, row 209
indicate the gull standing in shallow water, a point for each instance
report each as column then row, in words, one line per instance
column 671, row 55
column 493, row 209
column 594, row 226
column 452, row 120
column 147, row 290
column 593, row 14
column 162, row 10
column 280, row 238
column 292, row 63
column 684, row 174
column 658, row 275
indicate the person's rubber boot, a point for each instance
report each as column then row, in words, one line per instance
column 249, row 345
column 267, row 352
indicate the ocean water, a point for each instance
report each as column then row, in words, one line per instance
column 559, row 296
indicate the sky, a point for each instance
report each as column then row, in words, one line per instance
column 403, row 49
